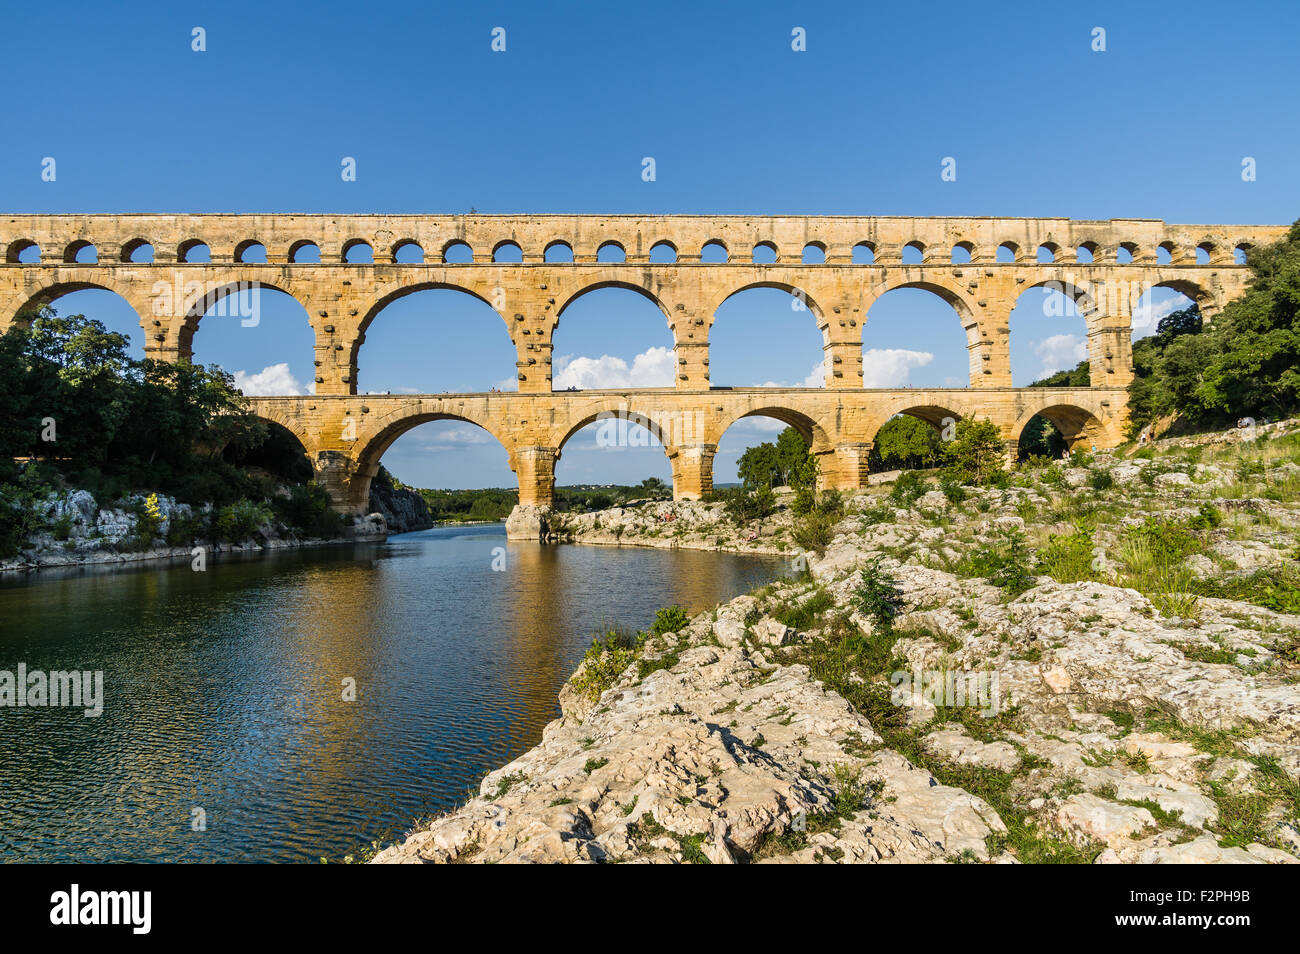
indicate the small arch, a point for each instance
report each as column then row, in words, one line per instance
column 1241, row 253
column 194, row 252
column 714, row 252
column 358, row 252
column 962, row 253
column 1165, row 253
column 1205, row 253
column 764, row 254
column 864, row 253
column 663, row 253
column 304, row 252
column 457, row 252
column 81, row 252
column 611, row 253
column 1007, row 253
column 408, row 252
column 1086, row 253
column 913, row 253
column 814, row 253
column 1126, row 253
column 508, row 253
column 138, row 251
column 559, row 252
column 250, row 252
column 23, row 251
column 1048, row 253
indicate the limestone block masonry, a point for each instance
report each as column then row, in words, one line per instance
column 980, row 266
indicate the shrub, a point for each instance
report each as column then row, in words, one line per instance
column 908, row 488
column 307, row 510
column 148, row 520
column 743, row 505
column 605, row 660
column 238, row 521
column 814, row 530
column 1068, row 559
column 1100, row 479
column 952, row 489
column 1169, row 542
column 1004, row 564
column 670, row 619
column 879, row 597
column 1208, row 518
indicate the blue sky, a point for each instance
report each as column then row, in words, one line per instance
column 737, row 121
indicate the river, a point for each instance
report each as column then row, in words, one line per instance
column 225, row 734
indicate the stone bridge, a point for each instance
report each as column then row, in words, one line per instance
column 344, row 269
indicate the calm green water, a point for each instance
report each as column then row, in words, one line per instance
column 223, row 689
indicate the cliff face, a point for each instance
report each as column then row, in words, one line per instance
column 404, row 510
column 1097, row 663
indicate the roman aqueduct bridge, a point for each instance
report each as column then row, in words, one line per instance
column 174, row 268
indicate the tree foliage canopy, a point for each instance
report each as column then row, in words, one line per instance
column 118, row 424
column 1247, row 364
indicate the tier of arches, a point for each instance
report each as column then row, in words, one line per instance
column 691, row 464
column 952, row 294
column 664, row 251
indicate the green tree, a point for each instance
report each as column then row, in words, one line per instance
column 1248, row 364
column 785, row 463
column 906, row 442
column 975, row 454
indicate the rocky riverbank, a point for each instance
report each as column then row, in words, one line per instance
column 1099, row 662
column 77, row 531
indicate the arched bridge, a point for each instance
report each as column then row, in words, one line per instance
column 529, row 268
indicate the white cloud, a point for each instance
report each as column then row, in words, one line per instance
column 275, row 380
column 652, row 368
column 1060, row 353
column 889, row 367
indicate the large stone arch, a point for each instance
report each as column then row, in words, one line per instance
column 603, row 283
column 27, row 301
column 1083, row 298
column 1209, row 303
column 986, row 346
column 198, row 298
column 798, row 291
column 394, row 293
